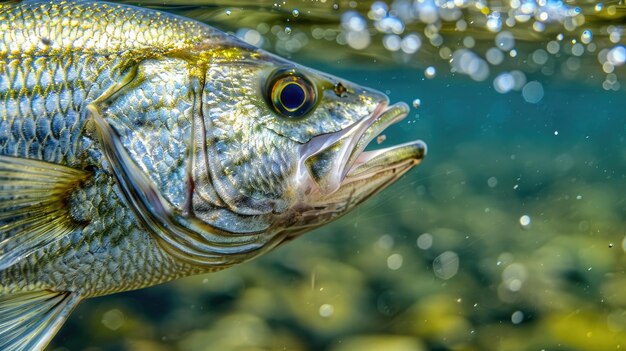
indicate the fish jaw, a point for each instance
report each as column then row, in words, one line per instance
column 366, row 164
column 344, row 151
column 355, row 174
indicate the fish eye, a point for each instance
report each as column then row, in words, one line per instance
column 291, row 94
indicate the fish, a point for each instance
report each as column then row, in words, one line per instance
column 138, row 147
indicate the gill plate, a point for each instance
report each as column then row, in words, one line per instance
column 182, row 235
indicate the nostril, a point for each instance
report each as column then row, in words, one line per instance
column 341, row 90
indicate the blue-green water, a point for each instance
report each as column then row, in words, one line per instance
column 509, row 236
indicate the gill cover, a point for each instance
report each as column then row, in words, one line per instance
column 166, row 217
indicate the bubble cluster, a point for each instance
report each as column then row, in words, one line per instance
column 484, row 40
column 250, row 36
column 356, row 32
column 467, row 62
column 396, row 21
column 514, row 277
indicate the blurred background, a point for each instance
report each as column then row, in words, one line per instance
column 511, row 235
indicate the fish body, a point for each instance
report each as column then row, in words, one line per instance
column 50, row 72
column 137, row 147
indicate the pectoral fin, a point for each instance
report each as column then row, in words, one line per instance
column 28, row 321
column 33, row 206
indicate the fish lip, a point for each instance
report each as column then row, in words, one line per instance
column 368, row 163
column 363, row 164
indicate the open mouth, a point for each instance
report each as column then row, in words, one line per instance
column 396, row 159
column 333, row 160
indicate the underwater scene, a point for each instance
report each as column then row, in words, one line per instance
column 510, row 235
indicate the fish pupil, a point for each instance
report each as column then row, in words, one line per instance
column 292, row 96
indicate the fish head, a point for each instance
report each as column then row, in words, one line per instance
column 285, row 143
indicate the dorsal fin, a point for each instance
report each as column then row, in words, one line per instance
column 33, row 205
column 28, row 321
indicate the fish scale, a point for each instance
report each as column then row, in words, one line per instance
column 164, row 122
column 46, row 104
column 48, row 74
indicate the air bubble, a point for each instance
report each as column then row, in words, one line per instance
column 553, row 47
column 295, row 13
column 586, row 36
column 524, row 221
column 494, row 56
column 430, row 72
column 540, row 57
column 250, row 36
column 616, row 56
column 520, row 81
column 467, row 62
column 427, row 11
column 503, row 83
column 385, row 242
column 390, row 24
column 578, row 49
column 378, row 10
column 425, row 241
column 326, row 310
column 358, row 40
column 394, row 261
column 469, row 42
column 517, row 317
column 392, row 42
column 461, row 25
column 446, row 265
column 505, row 41
column 539, row 27
column 532, row 92
column 353, row 21
column 411, row 43
column 113, row 319
column 494, row 23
